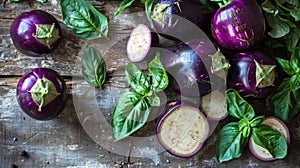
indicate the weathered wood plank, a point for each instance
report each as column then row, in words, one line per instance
column 64, row 142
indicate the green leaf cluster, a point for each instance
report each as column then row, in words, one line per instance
column 133, row 108
column 286, row 99
column 234, row 136
column 283, row 17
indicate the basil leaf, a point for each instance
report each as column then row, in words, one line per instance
column 153, row 100
column 123, row 5
column 130, row 114
column 279, row 28
column 158, row 75
column 256, row 121
column 244, row 127
column 86, row 22
column 285, row 105
column 295, row 82
column 270, row 139
column 268, row 7
column 285, row 65
column 292, row 39
column 237, row 106
column 295, row 60
column 149, row 4
column 231, row 143
column 93, row 67
column 136, row 79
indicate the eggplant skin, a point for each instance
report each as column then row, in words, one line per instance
column 242, row 74
column 178, row 13
column 26, row 102
column 24, row 27
column 239, row 25
column 190, row 69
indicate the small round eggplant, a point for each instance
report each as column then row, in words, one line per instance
column 140, row 41
column 35, row 33
column 260, row 152
column 182, row 130
column 170, row 17
column 239, row 25
column 189, row 65
column 253, row 74
column 42, row 93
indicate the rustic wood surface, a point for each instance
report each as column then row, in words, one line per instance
column 64, row 141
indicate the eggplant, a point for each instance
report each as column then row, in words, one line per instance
column 253, row 74
column 171, row 17
column 35, row 33
column 260, row 152
column 182, row 129
column 139, row 44
column 42, row 93
column 189, row 66
column 239, row 25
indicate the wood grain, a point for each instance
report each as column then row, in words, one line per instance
column 64, row 142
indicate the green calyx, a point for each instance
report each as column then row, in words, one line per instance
column 265, row 75
column 46, row 34
column 159, row 13
column 220, row 64
column 43, row 92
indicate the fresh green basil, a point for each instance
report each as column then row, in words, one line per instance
column 137, row 79
column 256, row 121
column 284, row 102
column 123, row 5
column 133, row 108
column 237, row 106
column 231, row 142
column 286, row 99
column 283, row 17
column 130, row 114
column 86, row 22
column 244, row 127
column 93, row 67
column 270, row 139
column 285, row 66
column 149, row 5
column 158, row 75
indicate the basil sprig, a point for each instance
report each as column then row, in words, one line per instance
column 93, row 67
column 234, row 136
column 133, row 108
column 86, row 21
column 283, row 17
column 286, row 99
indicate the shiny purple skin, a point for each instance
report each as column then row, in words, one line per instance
column 193, row 11
column 239, row 25
column 23, row 28
column 49, row 111
column 242, row 74
column 187, row 69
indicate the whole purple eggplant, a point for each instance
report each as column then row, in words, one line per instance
column 253, row 74
column 35, row 33
column 42, row 93
column 239, row 25
column 175, row 18
column 189, row 67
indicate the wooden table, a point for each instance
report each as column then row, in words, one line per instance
column 64, row 141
